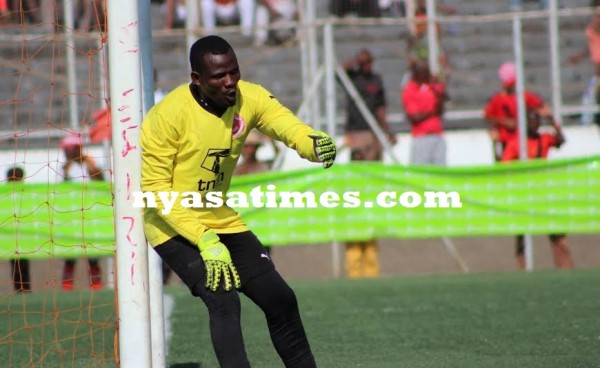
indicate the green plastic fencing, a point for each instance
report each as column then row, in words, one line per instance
column 538, row 197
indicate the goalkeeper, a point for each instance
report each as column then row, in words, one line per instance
column 191, row 141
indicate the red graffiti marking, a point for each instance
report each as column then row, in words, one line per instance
column 126, row 92
column 130, row 241
column 123, row 108
column 128, row 187
column 128, row 147
column 128, row 30
column 132, row 268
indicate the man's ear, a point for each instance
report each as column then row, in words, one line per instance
column 195, row 77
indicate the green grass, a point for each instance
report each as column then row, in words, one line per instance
column 58, row 329
column 542, row 319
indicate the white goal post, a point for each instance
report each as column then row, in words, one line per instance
column 124, row 55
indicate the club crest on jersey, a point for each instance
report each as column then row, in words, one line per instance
column 239, row 126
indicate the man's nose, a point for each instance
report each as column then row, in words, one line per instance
column 230, row 80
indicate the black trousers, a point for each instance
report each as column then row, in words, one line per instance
column 260, row 282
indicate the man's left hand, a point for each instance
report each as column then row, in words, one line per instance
column 324, row 148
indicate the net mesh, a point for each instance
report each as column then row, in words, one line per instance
column 58, row 305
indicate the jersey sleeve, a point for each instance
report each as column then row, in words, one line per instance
column 279, row 123
column 159, row 141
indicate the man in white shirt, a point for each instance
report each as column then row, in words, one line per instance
column 228, row 12
column 273, row 12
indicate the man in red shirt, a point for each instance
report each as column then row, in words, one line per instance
column 501, row 110
column 538, row 145
column 423, row 99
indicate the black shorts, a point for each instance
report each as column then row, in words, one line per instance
column 249, row 256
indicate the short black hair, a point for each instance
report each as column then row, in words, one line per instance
column 212, row 44
column 15, row 174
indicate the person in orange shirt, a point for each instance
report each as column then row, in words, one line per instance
column 501, row 109
column 423, row 99
column 538, row 145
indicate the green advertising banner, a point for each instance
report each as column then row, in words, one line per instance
column 356, row 201
column 59, row 220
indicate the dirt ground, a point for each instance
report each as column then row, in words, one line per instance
column 398, row 257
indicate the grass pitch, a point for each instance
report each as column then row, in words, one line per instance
column 540, row 319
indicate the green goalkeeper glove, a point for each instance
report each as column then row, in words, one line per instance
column 218, row 262
column 324, row 147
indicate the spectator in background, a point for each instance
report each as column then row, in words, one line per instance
column 175, row 13
column 91, row 15
column 592, row 33
column 423, row 99
column 79, row 168
column 538, row 145
column 362, row 257
column 273, row 12
column 19, row 267
column 361, row 8
column 4, row 12
column 27, row 10
column 501, row 110
column 392, row 8
column 102, row 128
column 228, row 12
column 417, row 42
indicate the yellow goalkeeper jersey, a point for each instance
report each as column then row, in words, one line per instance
column 187, row 149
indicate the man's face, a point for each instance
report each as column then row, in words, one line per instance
column 365, row 62
column 218, row 79
column 421, row 72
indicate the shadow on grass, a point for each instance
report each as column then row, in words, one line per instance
column 186, row 365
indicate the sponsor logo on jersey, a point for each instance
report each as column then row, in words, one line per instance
column 212, row 163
